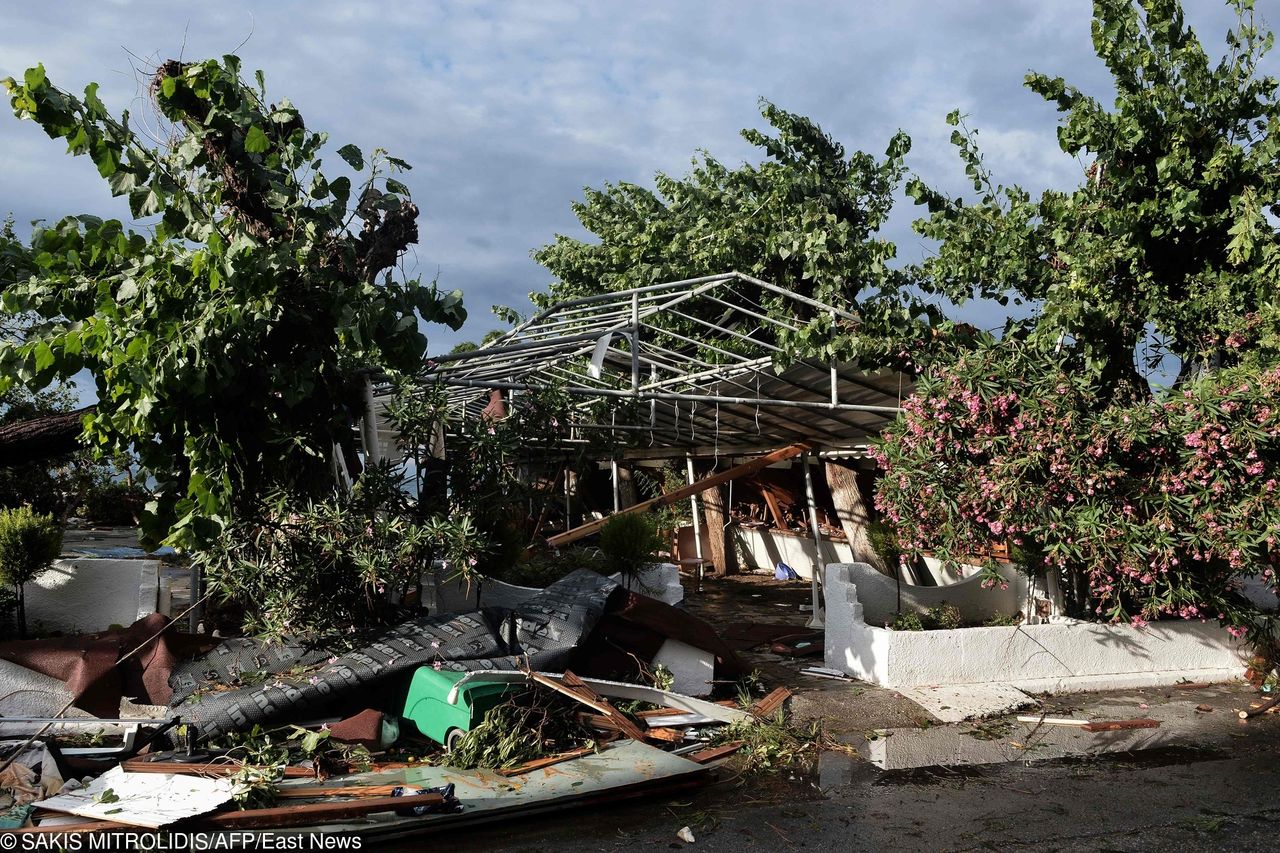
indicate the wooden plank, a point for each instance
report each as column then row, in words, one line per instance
column 310, row 813
column 706, row 756
column 317, row 791
column 658, row 712
column 1053, row 721
column 676, row 495
column 624, row 723
column 215, row 769
column 769, row 705
column 771, row 500
column 598, row 721
column 539, row 763
column 598, row 705
column 1120, row 725
column 665, row 735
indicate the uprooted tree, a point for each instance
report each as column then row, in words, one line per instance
column 1144, row 502
column 224, row 336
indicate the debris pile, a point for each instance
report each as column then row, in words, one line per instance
column 439, row 719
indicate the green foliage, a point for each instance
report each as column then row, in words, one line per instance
column 907, row 622
column 222, row 340
column 113, row 502
column 629, row 542
column 1143, row 509
column 546, row 567
column 944, row 617
column 806, row 218
column 1167, row 235
column 331, row 564
column 939, row 617
column 1144, row 504
column 884, row 541
column 1001, row 620
column 8, row 612
column 528, row 726
column 775, row 743
column 29, row 543
column 265, row 753
column 504, row 469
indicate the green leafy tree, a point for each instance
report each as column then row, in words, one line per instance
column 224, row 336
column 806, row 218
column 1165, row 245
column 29, row 543
column 1143, row 503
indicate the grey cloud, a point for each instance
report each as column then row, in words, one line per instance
column 508, row 110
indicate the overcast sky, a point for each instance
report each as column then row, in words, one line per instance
column 507, row 110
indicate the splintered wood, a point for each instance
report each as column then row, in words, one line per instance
column 575, row 688
column 767, row 707
column 706, row 756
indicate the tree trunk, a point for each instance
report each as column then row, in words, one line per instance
column 719, row 540
column 41, row 438
column 853, row 514
column 626, row 488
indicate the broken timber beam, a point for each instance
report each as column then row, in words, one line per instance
column 760, row 462
column 575, row 688
column 279, row 817
column 770, row 705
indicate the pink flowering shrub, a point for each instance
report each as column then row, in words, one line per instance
column 1144, row 507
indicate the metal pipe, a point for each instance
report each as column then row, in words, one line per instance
column 369, row 426
column 651, row 395
column 635, row 342
column 523, row 346
column 697, row 523
column 812, row 303
column 815, row 621
column 617, row 489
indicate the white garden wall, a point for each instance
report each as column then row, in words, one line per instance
column 1062, row 655
column 765, row 547
column 87, row 595
column 878, row 593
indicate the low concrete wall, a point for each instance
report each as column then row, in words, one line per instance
column 878, row 594
column 1062, row 655
column 764, row 548
column 87, row 595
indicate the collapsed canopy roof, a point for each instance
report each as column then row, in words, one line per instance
column 692, row 366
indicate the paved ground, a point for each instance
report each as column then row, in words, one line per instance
column 1209, row 782
column 1222, row 794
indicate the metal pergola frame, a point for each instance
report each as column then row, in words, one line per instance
column 700, row 352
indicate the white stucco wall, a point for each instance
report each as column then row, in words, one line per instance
column 764, row 548
column 85, row 595
column 1061, row 655
column 878, row 593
